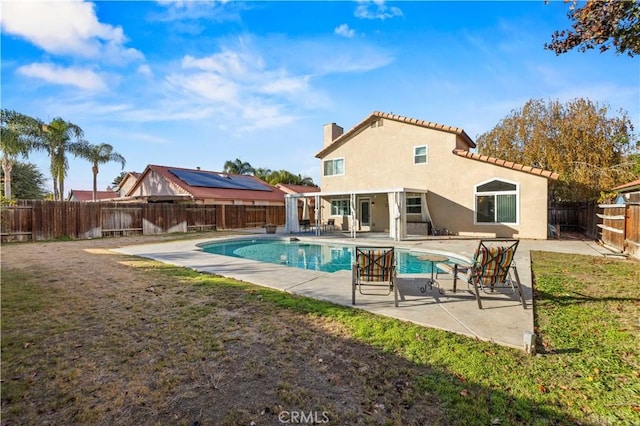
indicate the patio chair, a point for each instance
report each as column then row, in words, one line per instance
column 331, row 223
column 374, row 272
column 305, row 225
column 491, row 268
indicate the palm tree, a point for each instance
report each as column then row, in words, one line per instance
column 99, row 154
column 262, row 173
column 57, row 138
column 15, row 141
column 238, row 167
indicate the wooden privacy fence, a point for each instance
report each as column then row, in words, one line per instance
column 621, row 227
column 47, row 220
column 575, row 216
column 616, row 225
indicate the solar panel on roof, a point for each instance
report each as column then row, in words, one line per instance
column 215, row 180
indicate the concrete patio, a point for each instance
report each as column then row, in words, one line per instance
column 502, row 319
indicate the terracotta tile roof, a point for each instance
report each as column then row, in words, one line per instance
column 507, row 164
column 88, row 195
column 414, row 121
column 628, row 185
column 202, row 193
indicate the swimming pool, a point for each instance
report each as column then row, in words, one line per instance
column 325, row 257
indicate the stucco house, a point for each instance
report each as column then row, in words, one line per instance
column 405, row 176
column 127, row 182
column 174, row 184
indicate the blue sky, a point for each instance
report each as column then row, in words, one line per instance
column 190, row 84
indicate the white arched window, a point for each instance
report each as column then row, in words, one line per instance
column 496, row 201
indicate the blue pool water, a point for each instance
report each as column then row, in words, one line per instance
column 299, row 254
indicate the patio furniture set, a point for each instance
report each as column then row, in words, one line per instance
column 491, row 268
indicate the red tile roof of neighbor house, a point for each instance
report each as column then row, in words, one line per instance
column 297, row 189
column 88, row 195
column 414, row 121
column 507, row 164
column 207, row 193
column 628, row 185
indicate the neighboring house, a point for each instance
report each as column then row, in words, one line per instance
column 175, row 184
column 406, row 176
column 127, row 182
column 629, row 192
column 76, row 195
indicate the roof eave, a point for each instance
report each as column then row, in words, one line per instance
column 401, row 119
column 506, row 164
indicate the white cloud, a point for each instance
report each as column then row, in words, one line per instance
column 193, row 10
column 66, row 28
column 234, row 75
column 286, row 85
column 145, row 70
column 376, row 9
column 260, row 116
column 209, row 86
column 344, row 30
column 51, row 73
column 226, row 63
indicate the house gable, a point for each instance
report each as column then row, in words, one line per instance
column 127, row 182
column 386, row 151
column 377, row 119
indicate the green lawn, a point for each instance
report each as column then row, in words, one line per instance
column 587, row 370
column 70, row 350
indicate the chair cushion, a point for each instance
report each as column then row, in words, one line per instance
column 375, row 265
column 492, row 264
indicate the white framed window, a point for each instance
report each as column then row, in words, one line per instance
column 340, row 207
column 414, row 205
column 420, row 154
column 496, row 201
column 333, row 167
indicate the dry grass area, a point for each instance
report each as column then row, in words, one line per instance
column 93, row 337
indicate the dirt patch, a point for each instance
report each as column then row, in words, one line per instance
column 91, row 336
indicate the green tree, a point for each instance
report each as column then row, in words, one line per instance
column 601, row 23
column 262, row 173
column 99, row 154
column 58, row 138
column 15, row 142
column 238, row 167
column 118, row 179
column 578, row 140
column 284, row 176
column 28, row 182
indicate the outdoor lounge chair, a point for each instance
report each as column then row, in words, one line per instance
column 374, row 272
column 491, row 268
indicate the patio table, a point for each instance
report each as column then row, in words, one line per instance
column 433, row 258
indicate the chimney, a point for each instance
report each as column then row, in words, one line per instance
column 331, row 132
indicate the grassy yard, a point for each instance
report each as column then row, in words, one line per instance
column 173, row 345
